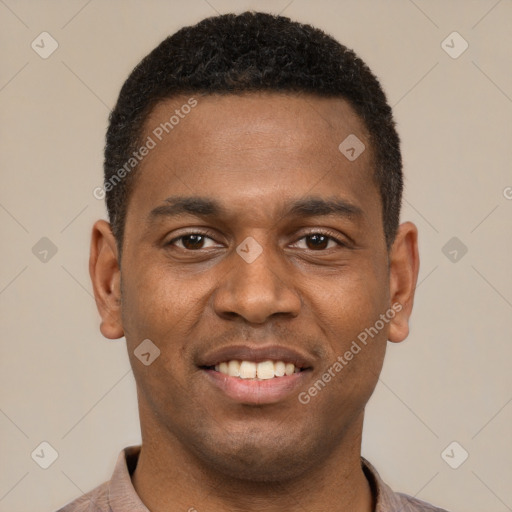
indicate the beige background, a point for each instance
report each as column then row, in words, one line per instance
column 63, row 383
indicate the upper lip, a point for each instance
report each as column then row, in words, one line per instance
column 256, row 354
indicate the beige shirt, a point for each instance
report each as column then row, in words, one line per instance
column 118, row 494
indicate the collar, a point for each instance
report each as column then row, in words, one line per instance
column 123, row 498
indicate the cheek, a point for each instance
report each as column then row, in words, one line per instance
column 357, row 343
column 152, row 306
column 165, row 307
column 356, row 375
column 158, row 308
column 348, row 311
column 351, row 303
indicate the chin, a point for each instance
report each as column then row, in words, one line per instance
column 258, row 456
column 253, row 466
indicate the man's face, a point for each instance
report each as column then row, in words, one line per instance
column 319, row 281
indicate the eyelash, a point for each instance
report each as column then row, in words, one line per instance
column 211, row 235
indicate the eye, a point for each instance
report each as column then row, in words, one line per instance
column 320, row 241
column 191, row 241
column 315, row 241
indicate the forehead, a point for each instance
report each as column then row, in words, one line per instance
column 234, row 119
column 254, row 147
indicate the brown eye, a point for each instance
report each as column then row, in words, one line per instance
column 318, row 241
column 191, row 241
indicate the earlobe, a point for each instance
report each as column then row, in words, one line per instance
column 403, row 276
column 106, row 279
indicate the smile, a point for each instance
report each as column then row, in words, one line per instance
column 250, row 374
column 264, row 370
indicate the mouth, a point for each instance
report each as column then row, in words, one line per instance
column 262, row 375
column 264, row 370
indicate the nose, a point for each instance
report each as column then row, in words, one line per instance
column 256, row 290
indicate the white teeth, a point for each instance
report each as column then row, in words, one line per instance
column 265, row 370
column 247, row 370
column 234, row 369
column 251, row 370
column 279, row 368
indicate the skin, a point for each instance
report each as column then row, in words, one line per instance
column 253, row 153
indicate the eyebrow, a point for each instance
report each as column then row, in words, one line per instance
column 310, row 206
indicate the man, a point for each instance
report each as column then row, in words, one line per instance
column 255, row 263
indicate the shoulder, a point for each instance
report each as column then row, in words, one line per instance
column 410, row 504
column 94, row 501
column 117, row 493
column 389, row 501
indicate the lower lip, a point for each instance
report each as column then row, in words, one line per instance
column 251, row 391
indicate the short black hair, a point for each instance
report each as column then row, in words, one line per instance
column 250, row 52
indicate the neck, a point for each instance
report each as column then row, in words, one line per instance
column 168, row 477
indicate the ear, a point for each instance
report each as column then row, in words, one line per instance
column 106, row 279
column 403, row 274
